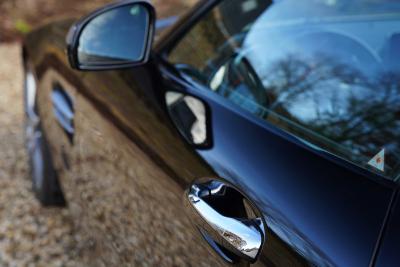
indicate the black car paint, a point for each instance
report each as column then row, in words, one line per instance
column 388, row 254
column 320, row 210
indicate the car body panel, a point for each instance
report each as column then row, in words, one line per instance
column 125, row 172
column 110, row 173
column 388, row 254
column 318, row 207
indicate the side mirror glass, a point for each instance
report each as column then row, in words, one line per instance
column 116, row 36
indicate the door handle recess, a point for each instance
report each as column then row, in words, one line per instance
column 242, row 236
column 63, row 110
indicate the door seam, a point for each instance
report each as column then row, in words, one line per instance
column 382, row 232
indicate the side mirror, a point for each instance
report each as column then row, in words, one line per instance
column 116, row 36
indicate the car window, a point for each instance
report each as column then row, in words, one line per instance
column 325, row 71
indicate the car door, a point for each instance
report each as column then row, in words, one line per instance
column 195, row 126
column 285, row 128
column 388, row 255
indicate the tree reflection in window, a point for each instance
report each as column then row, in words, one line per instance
column 332, row 81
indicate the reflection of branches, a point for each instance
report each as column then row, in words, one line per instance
column 341, row 102
column 289, row 78
column 342, row 107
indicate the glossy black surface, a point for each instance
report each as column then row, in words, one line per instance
column 125, row 174
column 389, row 252
column 321, row 208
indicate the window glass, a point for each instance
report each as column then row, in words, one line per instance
column 326, row 71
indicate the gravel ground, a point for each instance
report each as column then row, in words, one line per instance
column 29, row 234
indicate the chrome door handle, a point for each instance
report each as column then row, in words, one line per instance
column 63, row 110
column 241, row 236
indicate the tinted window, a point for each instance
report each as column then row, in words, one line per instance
column 326, row 71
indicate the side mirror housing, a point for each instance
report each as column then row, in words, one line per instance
column 116, row 36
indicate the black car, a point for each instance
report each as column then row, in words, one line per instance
column 249, row 132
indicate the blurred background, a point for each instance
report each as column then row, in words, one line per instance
column 18, row 17
column 29, row 234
